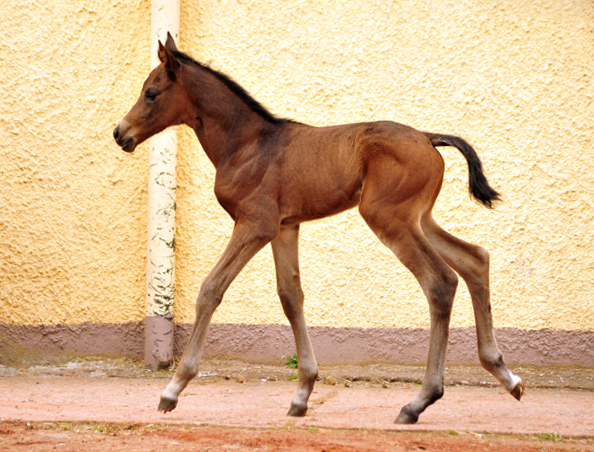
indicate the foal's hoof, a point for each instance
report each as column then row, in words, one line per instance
column 297, row 410
column 518, row 390
column 406, row 418
column 167, row 404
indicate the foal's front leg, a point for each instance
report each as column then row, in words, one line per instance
column 285, row 251
column 246, row 241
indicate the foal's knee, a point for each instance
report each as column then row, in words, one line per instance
column 491, row 360
column 210, row 297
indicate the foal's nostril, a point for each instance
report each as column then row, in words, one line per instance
column 116, row 133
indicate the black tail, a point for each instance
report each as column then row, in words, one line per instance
column 478, row 185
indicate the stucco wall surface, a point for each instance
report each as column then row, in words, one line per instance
column 73, row 223
column 513, row 78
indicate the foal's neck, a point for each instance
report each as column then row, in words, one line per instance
column 223, row 123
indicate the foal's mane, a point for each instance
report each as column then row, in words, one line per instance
column 235, row 88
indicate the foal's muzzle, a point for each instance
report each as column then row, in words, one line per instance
column 128, row 144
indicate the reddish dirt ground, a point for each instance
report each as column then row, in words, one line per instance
column 93, row 437
column 109, row 405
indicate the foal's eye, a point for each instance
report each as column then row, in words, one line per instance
column 150, row 95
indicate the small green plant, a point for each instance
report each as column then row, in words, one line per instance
column 550, row 437
column 64, row 426
column 293, row 377
column 292, row 362
column 453, row 433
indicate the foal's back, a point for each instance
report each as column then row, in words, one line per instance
column 321, row 170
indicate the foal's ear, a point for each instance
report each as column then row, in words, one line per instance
column 170, row 62
column 170, row 43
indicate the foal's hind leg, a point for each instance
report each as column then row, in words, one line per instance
column 285, row 251
column 438, row 282
column 246, row 241
column 396, row 193
column 472, row 263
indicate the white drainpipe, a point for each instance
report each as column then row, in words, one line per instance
column 162, row 184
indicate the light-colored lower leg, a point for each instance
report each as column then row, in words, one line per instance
column 245, row 242
column 285, row 251
column 188, row 366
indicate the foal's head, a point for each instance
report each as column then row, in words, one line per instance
column 161, row 104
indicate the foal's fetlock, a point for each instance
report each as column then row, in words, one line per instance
column 167, row 403
column 492, row 362
column 310, row 377
column 495, row 365
column 436, row 394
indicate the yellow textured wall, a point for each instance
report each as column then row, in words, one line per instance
column 514, row 78
column 73, row 222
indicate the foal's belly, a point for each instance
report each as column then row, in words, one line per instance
column 317, row 206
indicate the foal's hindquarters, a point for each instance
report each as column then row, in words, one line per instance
column 399, row 193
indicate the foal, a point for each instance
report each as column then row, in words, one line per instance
column 273, row 174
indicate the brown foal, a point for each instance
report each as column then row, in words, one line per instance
column 272, row 174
